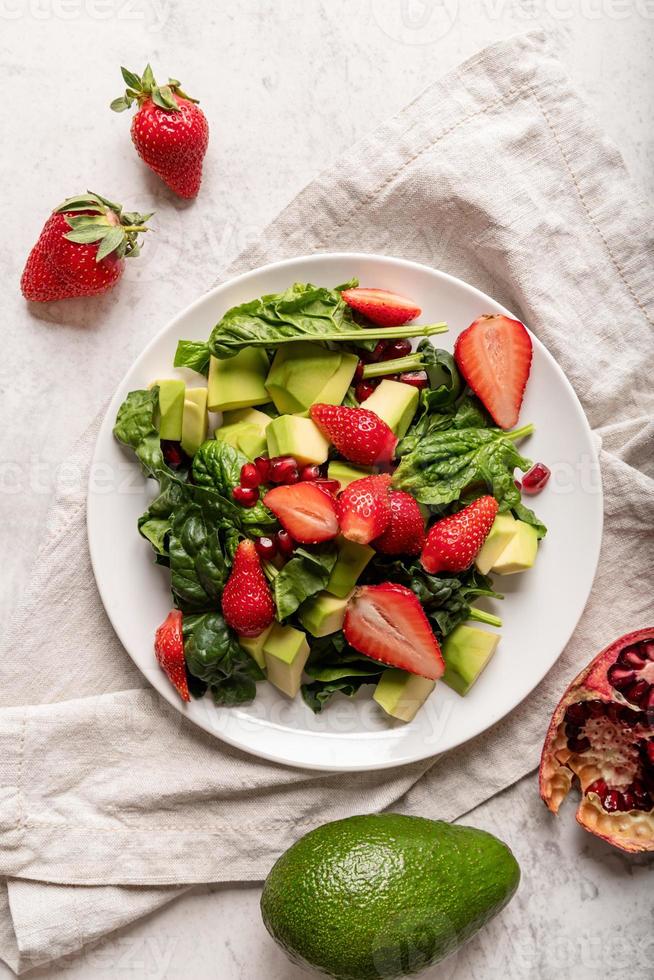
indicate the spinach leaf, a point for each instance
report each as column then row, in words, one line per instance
column 336, row 668
column 316, row 694
column 198, row 568
column 155, row 524
column 193, row 354
column 217, row 467
column 444, row 378
column 136, row 427
column 306, row 573
column 214, row 656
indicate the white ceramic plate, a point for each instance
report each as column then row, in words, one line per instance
column 541, row 607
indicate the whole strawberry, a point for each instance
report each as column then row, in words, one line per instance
column 247, row 603
column 364, row 509
column 405, row 535
column 169, row 131
column 358, row 434
column 81, row 249
column 169, row 651
column 454, row 542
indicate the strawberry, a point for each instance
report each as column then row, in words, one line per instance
column 305, row 510
column 387, row 622
column 358, row 434
column 169, row 651
column 494, row 356
column 81, row 248
column 247, row 602
column 454, row 542
column 381, row 306
column 405, row 535
column 169, row 131
column 364, row 508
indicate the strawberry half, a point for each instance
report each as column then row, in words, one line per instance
column 387, row 622
column 364, row 508
column 405, row 535
column 454, row 542
column 381, row 306
column 358, row 434
column 494, row 356
column 169, row 651
column 246, row 601
column 305, row 510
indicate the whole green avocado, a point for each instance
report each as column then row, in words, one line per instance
column 385, row 895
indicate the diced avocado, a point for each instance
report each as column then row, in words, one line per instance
column 323, row 613
column 503, row 529
column 292, row 435
column 245, row 429
column 303, row 373
column 254, row 646
column 520, row 552
column 401, row 694
column 351, row 561
column 171, row 408
column 194, row 422
column 344, row 473
column 286, row 651
column 238, row 382
column 395, row 403
column 466, row 652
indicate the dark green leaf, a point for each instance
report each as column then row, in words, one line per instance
column 217, row 466
column 135, row 427
column 193, row 354
column 198, row 569
column 336, row 668
column 444, row 378
column 130, row 78
column 303, row 576
column 214, row 656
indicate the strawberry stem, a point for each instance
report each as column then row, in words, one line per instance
column 516, row 434
column 412, row 362
column 479, row 616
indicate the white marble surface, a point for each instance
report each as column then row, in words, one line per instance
column 286, row 84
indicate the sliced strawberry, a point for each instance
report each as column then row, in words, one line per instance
column 405, row 535
column 358, row 434
column 305, row 510
column 454, row 542
column 246, row 601
column 381, row 306
column 387, row 622
column 364, row 508
column 169, row 651
column 494, row 356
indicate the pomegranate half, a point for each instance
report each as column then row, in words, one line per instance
column 602, row 732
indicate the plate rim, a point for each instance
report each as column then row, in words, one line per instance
column 315, row 258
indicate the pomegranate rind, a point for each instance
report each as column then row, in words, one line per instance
column 631, row 830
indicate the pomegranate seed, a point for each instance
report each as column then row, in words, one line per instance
column 173, row 454
column 364, row 390
column 358, row 374
column 285, row 543
column 330, row 486
column 579, row 744
column 250, row 476
column 283, row 469
column 266, row 548
column 632, row 657
column 396, row 348
column 518, row 484
column 417, row 379
column 310, row 472
column 576, row 714
column 598, row 786
column 628, row 801
column 597, row 708
column 262, row 463
column 245, row 496
column 619, row 677
column 379, row 350
column 535, row 479
column 613, row 801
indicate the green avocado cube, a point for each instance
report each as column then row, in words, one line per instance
column 323, row 613
column 502, row 531
column 286, row 652
column 245, row 429
column 401, row 694
column 395, row 403
column 520, row 552
column 254, row 646
column 351, row 561
column 238, row 382
column 292, row 435
column 171, row 408
column 303, row 373
column 466, row 652
column 194, row 421
column 344, row 473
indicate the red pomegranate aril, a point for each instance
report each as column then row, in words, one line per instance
column 620, row 677
column 330, row 486
column 628, row 801
column 266, row 548
column 613, row 801
column 284, row 543
column 535, row 479
column 283, row 469
column 310, row 472
column 358, row 373
column 245, row 496
column 596, row 708
column 262, row 463
column 632, row 657
column 364, row 390
column 579, row 744
column 417, row 379
column 598, row 786
column 250, row 476
column 379, row 350
column 637, row 692
column 173, row 454
column 395, row 349
column 576, row 714
column 517, row 484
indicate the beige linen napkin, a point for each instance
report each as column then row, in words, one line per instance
column 110, row 804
